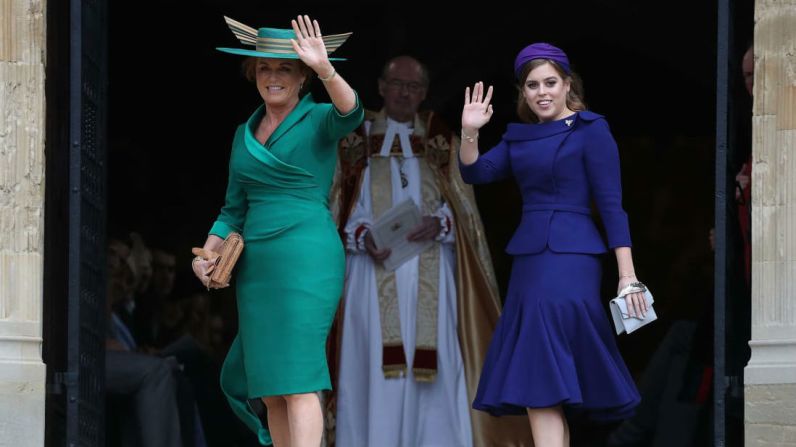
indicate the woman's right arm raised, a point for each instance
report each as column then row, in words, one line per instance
column 477, row 112
column 494, row 165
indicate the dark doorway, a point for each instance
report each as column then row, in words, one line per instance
column 56, row 215
column 650, row 68
column 74, row 266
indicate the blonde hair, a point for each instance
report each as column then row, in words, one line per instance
column 249, row 69
column 575, row 100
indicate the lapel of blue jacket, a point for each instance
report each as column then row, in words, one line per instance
column 525, row 132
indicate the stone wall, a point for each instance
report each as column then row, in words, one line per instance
column 770, row 377
column 22, row 106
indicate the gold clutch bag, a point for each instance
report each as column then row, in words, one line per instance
column 224, row 260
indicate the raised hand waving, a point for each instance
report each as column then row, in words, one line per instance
column 308, row 43
column 477, row 109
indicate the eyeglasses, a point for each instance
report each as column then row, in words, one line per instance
column 398, row 85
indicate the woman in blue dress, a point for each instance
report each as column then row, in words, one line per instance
column 553, row 347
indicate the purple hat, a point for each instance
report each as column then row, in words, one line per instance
column 540, row 51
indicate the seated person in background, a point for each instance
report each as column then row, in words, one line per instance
column 148, row 380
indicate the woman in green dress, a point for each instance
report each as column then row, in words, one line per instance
column 290, row 275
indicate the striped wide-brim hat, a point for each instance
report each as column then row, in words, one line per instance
column 274, row 42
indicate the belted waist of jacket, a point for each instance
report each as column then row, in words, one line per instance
column 564, row 228
column 556, row 207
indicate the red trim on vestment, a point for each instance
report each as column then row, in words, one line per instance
column 425, row 359
column 393, row 355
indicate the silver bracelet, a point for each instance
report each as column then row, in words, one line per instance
column 639, row 285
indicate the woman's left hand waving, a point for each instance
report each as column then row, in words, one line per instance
column 309, row 45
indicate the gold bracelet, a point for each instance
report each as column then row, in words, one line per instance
column 469, row 138
column 328, row 78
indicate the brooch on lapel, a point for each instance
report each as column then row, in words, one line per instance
column 568, row 122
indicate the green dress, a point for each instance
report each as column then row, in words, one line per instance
column 290, row 275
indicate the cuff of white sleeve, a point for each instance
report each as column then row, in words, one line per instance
column 445, row 226
column 359, row 236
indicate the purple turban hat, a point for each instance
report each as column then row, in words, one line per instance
column 540, row 51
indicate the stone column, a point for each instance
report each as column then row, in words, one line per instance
column 770, row 376
column 22, row 372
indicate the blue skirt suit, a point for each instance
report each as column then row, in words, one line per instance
column 553, row 344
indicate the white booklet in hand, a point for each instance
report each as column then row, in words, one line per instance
column 390, row 231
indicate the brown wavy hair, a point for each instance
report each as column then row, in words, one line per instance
column 249, row 69
column 575, row 100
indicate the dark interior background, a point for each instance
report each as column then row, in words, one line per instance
column 649, row 67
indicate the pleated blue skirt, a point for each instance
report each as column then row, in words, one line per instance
column 554, row 344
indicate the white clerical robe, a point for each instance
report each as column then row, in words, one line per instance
column 373, row 411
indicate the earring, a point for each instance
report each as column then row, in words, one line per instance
column 301, row 85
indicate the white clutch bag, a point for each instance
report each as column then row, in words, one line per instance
column 623, row 322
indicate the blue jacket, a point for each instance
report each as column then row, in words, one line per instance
column 560, row 166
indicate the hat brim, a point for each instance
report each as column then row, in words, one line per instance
column 255, row 53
